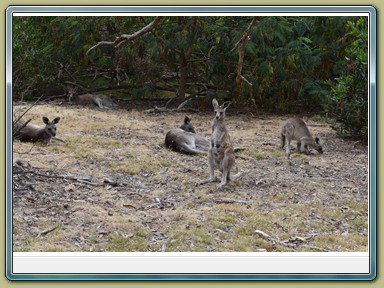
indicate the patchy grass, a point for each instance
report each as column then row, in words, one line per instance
column 136, row 241
column 154, row 203
column 138, row 165
column 254, row 152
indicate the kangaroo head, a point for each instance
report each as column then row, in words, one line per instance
column 220, row 109
column 72, row 91
column 187, row 126
column 50, row 126
column 318, row 146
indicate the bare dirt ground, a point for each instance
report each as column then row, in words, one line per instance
column 113, row 186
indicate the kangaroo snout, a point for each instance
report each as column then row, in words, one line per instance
column 53, row 132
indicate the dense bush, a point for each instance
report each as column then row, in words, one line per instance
column 290, row 64
column 347, row 100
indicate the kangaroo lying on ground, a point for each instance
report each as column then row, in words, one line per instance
column 100, row 100
column 185, row 139
column 296, row 129
column 221, row 154
column 33, row 133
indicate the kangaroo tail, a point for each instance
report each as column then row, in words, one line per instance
column 238, row 174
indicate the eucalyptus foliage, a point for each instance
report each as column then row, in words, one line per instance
column 291, row 64
column 347, row 100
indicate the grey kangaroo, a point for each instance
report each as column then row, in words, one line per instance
column 185, row 139
column 100, row 100
column 296, row 129
column 33, row 133
column 221, row 154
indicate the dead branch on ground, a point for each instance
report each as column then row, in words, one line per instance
column 84, row 180
column 47, row 231
column 291, row 243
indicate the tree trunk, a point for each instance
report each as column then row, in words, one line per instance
column 183, row 79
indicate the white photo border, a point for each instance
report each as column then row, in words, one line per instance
column 13, row 273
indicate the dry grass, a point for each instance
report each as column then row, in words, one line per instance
column 156, row 205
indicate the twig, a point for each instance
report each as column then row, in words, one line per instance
column 29, row 108
column 58, row 139
column 314, row 248
column 229, row 201
column 29, row 152
column 130, row 206
column 47, row 231
column 265, row 235
column 89, row 183
column 287, row 244
column 21, row 127
column 191, row 98
column 36, row 153
column 59, row 177
column 245, row 80
column 166, row 110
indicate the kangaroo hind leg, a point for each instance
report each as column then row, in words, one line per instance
column 226, row 171
column 190, row 149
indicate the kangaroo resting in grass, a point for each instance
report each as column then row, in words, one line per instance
column 100, row 100
column 221, row 155
column 33, row 133
column 185, row 139
column 296, row 129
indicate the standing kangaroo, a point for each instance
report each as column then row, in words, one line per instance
column 33, row 133
column 296, row 129
column 185, row 139
column 100, row 100
column 221, row 154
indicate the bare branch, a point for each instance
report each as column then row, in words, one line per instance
column 25, row 112
column 125, row 38
column 245, row 80
column 242, row 43
column 21, row 127
column 244, row 39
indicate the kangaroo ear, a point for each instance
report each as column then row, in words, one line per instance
column 45, row 120
column 215, row 103
column 226, row 104
column 187, row 120
column 317, row 140
column 56, row 120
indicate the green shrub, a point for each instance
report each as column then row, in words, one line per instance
column 347, row 100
